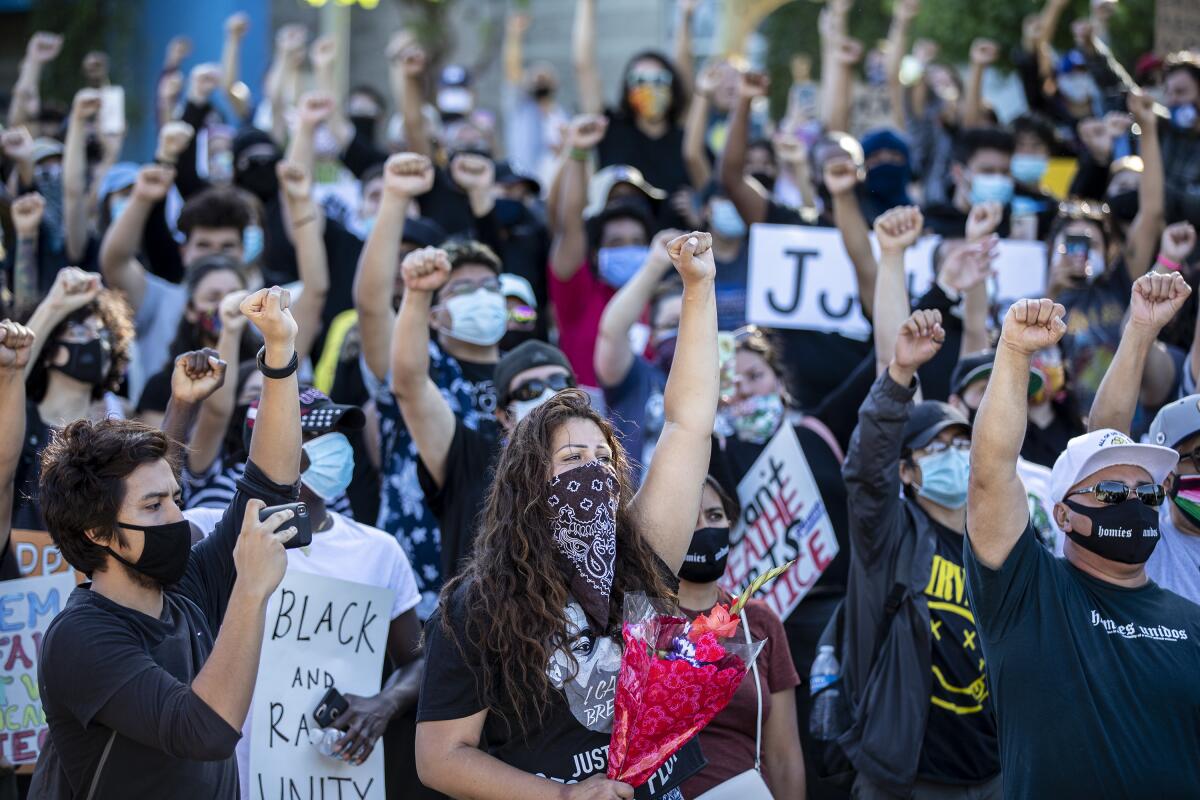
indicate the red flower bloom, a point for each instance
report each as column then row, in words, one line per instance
column 718, row 621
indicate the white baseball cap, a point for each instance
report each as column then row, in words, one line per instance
column 1097, row 450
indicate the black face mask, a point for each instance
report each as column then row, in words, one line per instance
column 1124, row 206
column 1126, row 532
column 87, row 362
column 259, row 179
column 767, row 181
column 165, row 551
column 542, row 92
column 706, row 556
column 364, row 127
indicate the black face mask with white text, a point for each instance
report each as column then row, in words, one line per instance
column 1126, row 532
column 706, row 556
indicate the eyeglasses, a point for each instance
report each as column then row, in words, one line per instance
column 1110, row 493
column 460, row 288
column 656, row 76
column 938, row 446
column 535, row 387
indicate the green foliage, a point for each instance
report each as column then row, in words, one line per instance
column 85, row 25
column 953, row 24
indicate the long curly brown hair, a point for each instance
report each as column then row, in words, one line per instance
column 513, row 592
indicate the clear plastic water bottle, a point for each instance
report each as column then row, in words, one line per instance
column 825, row 687
column 325, row 740
column 1024, row 221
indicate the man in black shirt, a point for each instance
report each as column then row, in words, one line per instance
column 143, row 698
column 1091, row 664
column 454, row 459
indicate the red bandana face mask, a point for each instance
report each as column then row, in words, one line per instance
column 584, row 503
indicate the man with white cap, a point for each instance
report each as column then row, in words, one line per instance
column 1091, row 665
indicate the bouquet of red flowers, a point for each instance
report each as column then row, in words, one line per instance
column 676, row 675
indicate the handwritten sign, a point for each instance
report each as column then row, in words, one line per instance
column 26, row 607
column 320, row 633
column 1176, row 25
column 783, row 519
column 802, row 278
column 36, row 553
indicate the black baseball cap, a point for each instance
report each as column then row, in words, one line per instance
column 977, row 366
column 927, row 420
column 527, row 355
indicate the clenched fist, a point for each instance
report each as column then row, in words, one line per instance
column 15, row 343
column 920, row 338
column 1156, row 299
column 407, row 175
column 691, row 253
column 197, row 374
column 425, row 270
column 1033, row 325
column 268, row 310
column 897, row 229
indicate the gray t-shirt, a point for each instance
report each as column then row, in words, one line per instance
column 156, row 322
column 1175, row 562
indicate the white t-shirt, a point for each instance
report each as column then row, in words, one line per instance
column 348, row 551
column 156, row 323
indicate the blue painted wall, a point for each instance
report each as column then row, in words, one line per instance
column 204, row 22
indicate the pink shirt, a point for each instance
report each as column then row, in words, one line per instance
column 578, row 305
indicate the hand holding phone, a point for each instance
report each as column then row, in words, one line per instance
column 300, row 520
column 331, row 706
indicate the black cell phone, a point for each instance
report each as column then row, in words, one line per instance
column 302, row 522
column 332, row 706
column 1078, row 245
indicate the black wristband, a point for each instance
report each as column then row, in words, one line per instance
column 276, row 374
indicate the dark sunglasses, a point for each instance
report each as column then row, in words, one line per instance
column 533, row 388
column 1110, row 493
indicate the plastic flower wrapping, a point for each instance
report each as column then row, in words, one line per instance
column 676, row 675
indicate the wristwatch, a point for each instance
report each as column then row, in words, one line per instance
column 276, row 374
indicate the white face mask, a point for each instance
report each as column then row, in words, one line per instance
column 520, row 409
column 480, row 317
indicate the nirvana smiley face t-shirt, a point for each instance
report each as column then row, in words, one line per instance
column 568, row 743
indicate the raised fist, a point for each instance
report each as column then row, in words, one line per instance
column 43, row 47
column 173, row 139
column 983, row 220
column 316, row 107
column 1032, row 325
column 268, row 310
column 789, row 148
column 179, row 48
column 73, row 289
column 1156, row 299
column 407, row 175
column 197, row 374
column 967, row 266
column 323, row 52
column 86, row 104
column 17, row 144
column 984, row 52
column 586, row 131
column 203, row 81
column 691, row 254
column 906, row 10
column 290, row 39
column 897, row 229
column 848, row 51
column 709, row 79
column 27, row 213
column 473, row 173
column 294, row 180
column 754, row 84
column 840, row 176
column 153, row 182
column 1141, row 105
column 230, row 311
column 237, row 24
column 425, row 270
column 15, row 344
column 920, row 338
column 1178, row 241
column 169, row 88
column 518, row 23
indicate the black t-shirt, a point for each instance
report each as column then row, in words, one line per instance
column 557, row 745
column 458, row 503
column 960, row 735
column 660, row 160
column 447, row 205
column 816, row 363
column 27, row 512
column 731, row 464
column 116, row 683
column 483, row 390
column 1094, row 685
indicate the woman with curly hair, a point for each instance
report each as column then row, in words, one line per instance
column 522, row 656
column 84, row 335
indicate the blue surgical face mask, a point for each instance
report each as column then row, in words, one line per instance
column 988, row 188
column 1029, row 169
column 617, row 265
column 1183, row 116
column 944, row 477
column 252, row 243
column 726, row 221
column 330, row 466
column 117, row 207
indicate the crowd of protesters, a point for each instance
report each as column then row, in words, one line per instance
column 504, row 358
